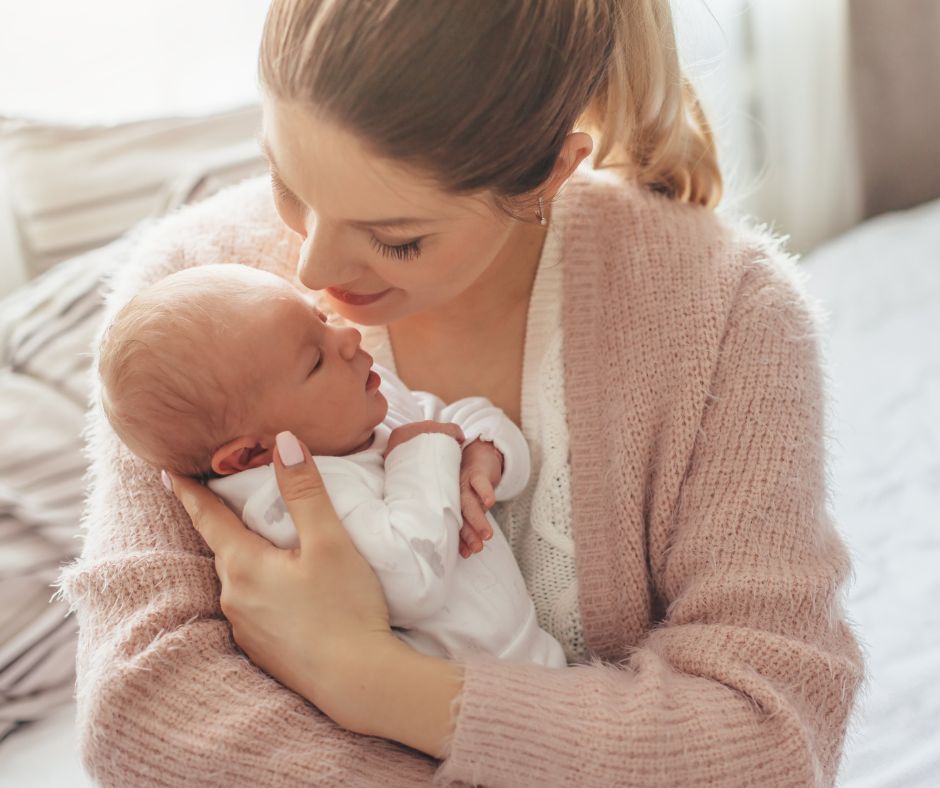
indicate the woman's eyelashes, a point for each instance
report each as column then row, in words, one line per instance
column 281, row 190
column 407, row 251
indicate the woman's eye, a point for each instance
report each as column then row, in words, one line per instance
column 406, row 251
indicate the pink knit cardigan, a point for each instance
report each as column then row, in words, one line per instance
column 709, row 571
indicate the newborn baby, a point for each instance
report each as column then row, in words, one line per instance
column 202, row 370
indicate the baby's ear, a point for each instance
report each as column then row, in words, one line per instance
column 240, row 455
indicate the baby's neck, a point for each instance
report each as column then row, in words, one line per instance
column 364, row 445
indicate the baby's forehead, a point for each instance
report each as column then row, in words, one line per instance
column 224, row 292
column 230, row 278
column 225, row 307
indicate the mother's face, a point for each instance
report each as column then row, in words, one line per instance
column 382, row 241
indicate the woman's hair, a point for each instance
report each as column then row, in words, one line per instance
column 481, row 94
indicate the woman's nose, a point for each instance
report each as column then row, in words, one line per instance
column 349, row 341
column 322, row 261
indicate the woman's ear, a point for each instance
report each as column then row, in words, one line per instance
column 575, row 149
column 240, row 455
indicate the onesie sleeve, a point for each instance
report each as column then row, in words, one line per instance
column 411, row 536
column 480, row 419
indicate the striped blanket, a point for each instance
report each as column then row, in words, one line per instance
column 46, row 330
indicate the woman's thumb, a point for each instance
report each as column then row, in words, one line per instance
column 302, row 487
column 292, row 453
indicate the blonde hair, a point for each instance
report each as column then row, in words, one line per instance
column 481, row 94
column 167, row 404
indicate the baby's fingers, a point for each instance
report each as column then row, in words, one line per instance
column 474, row 512
column 470, row 541
column 482, row 486
column 465, row 551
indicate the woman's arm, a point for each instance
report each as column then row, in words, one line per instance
column 411, row 698
column 750, row 677
column 164, row 695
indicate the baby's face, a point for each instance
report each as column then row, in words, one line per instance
column 315, row 379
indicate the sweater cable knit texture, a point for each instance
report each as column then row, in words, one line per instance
column 537, row 522
column 709, row 572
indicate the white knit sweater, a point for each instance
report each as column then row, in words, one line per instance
column 537, row 523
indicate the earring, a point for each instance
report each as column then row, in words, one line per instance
column 540, row 213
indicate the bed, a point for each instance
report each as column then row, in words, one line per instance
column 880, row 288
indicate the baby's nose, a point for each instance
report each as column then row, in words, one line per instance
column 349, row 341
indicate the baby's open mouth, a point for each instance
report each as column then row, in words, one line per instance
column 373, row 381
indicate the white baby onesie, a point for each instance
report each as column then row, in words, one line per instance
column 403, row 515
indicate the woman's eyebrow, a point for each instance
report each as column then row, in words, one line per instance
column 400, row 222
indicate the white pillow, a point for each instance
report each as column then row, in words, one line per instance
column 71, row 189
column 46, row 331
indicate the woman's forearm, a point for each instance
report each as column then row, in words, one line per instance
column 410, row 696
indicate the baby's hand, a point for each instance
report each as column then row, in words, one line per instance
column 406, row 432
column 481, row 468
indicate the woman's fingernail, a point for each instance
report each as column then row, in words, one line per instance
column 289, row 448
column 165, row 478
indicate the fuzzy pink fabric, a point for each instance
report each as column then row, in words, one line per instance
column 709, row 572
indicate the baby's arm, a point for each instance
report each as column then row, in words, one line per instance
column 409, row 536
column 495, row 465
column 482, row 421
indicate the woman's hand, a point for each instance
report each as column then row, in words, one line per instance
column 314, row 617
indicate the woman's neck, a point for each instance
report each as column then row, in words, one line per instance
column 475, row 345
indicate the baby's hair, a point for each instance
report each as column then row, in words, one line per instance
column 481, row 94
column 163, row 400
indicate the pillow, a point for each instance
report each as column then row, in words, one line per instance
column 46, row 330
column 72, row 189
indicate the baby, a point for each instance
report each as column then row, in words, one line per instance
column 200, row 372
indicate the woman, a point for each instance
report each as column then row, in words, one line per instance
column 663, row 365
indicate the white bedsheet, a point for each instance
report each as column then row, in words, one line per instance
column 44, row 755
column 881, row 287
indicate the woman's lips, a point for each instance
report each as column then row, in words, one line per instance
column 356, row 299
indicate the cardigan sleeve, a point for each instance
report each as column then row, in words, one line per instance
column 750, row 676
column 164, row 696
